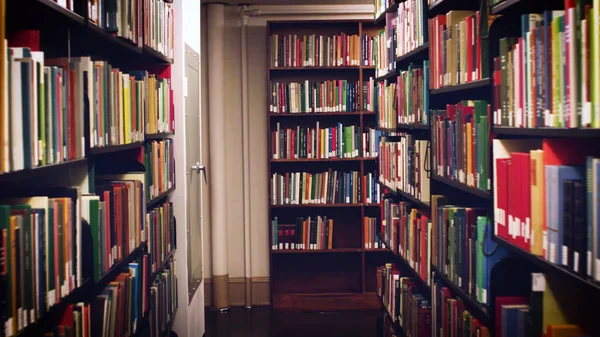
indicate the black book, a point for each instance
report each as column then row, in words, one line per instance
column 568, row 221
column 580, row 227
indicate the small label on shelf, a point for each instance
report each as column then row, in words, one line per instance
column 576, row 262
column 565, row 254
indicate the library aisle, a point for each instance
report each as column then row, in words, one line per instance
column 351, row 168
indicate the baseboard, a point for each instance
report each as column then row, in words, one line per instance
column 237, row 291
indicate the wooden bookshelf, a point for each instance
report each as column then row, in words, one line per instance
column 343, row 273
column 60, row 33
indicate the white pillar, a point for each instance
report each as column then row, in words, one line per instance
column 217, row 173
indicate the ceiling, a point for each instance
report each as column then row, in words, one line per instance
column 293, row 2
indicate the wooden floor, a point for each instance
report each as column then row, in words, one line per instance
column 263, row 322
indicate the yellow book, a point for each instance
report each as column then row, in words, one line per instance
column 126, row 110
column 330, row 239
column 469, row 146
column 537, row 208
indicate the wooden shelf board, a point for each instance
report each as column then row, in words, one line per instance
column 381, row 18
column 311, row 160
column 318, row 205
column 316, row 251
column 418, row 54
column 517, row 7
column 162, row 265
column 420, row 204
column 321, row 114
column 40, row 170
column 546, row 265
column 390, row 75
column 114, row 148
column 458, row 185
column 545, row 132
column 398, row 329
column 426, row 290
column 314, row 68
column 473, row 85
column 476, row 309
column 307, row 302
column 156, row 200
column 157, row 136
column 413, row 127
column 156, row 54
column 443, row 6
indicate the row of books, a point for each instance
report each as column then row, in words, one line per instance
column 329, row 187
column 314, row 96
column 381, row 6
column 76, row 321
column 319, row 142
column 449, row 316
column 307, row 233
column 370, row 143
column 460, row 236
column 404, row 166
column 411, row 24
column 41, row 259
column 371, row 50
column 405, row 303
column 159, row 161
column 548, row 76
column 118, row 310
column 460, row 143
column 160, row 226
column 383, row 51
column 371, row 238
column 413, row 96
column 158, row 26
column 313, row 50
column 458, row 53
column 382, row 98
column 548, row 208
column 163, row 300
column 44, row 124
column 144, row 22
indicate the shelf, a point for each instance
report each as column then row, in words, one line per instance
column 158, row 136
column 162, row 265
column 314, row 68
column 546, row 132
column 518, row 7
column 40, row 170
column 444, row 6
column 413, row 127
column 381, row 18
column 398, row 330
column 418, row 54
column 87, row 292
column 327, row 160
column 48, row 321
column 156, row 200
column 458, row 185
column 115, row 148
column 545, row 264
column 390, row 75
column 316, row 251
column 418, row 203
column 320, row 205
column 321, row 114
column 474, row 308
column 473, row 85
column 426, row 290
column 156, row 54
column 377, row 250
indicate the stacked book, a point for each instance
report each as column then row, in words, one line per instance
column 314, row 96
column 319, row 142
column 413, row 95
column 313, row 50
column 160, row 226
column 307, row 233
column 411, row 22
column 159, row 161
column 329, row 187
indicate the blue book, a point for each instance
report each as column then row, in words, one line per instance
column 492, row 255
column 555, row 177
column 510, row 319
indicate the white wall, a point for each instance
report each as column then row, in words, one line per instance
column 189, row 320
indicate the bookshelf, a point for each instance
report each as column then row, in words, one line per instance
column 524, row 147
column 307, row 279
column 71, row 180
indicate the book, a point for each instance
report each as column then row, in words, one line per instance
column 163, row 300
column 160, row 226
column 383, row 95
column 412, row 25
column 158, row 26
column 370, row 233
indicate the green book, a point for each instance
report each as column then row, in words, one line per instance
column 481, row 223
column 6, row 281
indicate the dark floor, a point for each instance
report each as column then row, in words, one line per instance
column 264, row 322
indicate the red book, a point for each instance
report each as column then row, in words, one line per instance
column 479, row 66
column 25, row 38
column 501, row 217
column 292, row 236
column 469, row 70
column 525, row 169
